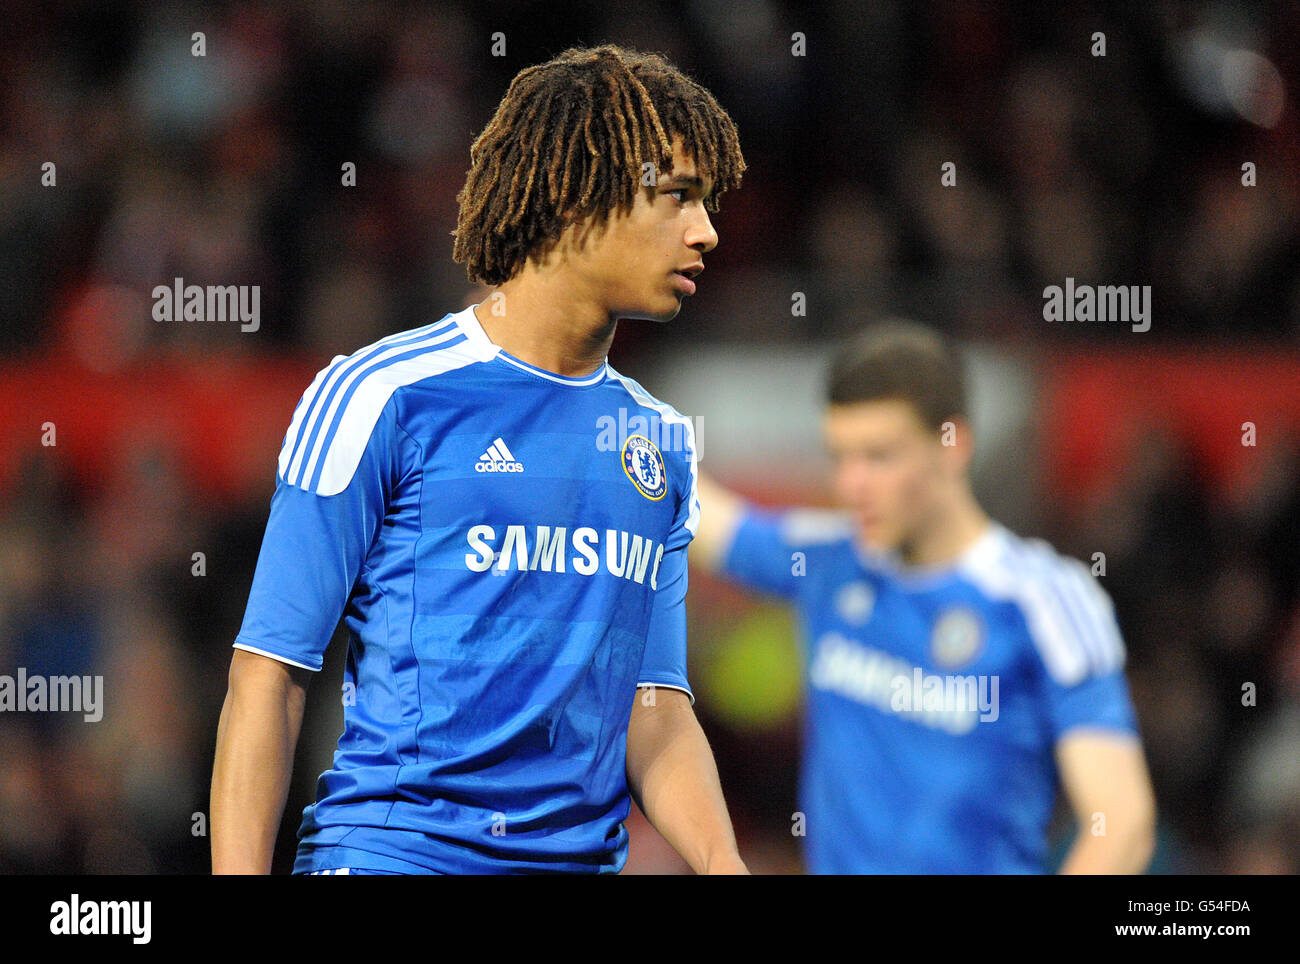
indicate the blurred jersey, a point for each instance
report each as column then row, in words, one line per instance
column 934, row 696
column 507, row 547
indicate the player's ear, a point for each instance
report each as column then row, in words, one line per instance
column 957, row 440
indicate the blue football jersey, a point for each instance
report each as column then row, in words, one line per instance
column 507, row 549
column 934, row 696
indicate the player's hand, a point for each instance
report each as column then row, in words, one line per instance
column 726, row 864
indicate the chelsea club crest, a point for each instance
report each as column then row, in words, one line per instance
column 958, row 638
column 645, row 467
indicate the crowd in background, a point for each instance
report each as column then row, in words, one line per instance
column 228, row 169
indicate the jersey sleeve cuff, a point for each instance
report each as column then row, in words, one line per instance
column 276, row 656
column 667, row 686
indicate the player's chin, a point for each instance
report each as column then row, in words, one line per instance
column 877, row 537
column 663, row 312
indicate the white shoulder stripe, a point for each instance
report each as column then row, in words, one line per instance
column 322, row 456
column 307, row 412
column 1070, row 617
column 337, row 391
column 300, row 415
column 1099, row 632
column 1082, row 610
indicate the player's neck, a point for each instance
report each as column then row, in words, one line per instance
column 537, row 319
column 949, row 533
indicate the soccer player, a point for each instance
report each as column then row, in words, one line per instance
column 953, row 669
column 512, row 580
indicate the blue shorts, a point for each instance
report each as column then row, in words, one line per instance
column 352, row 871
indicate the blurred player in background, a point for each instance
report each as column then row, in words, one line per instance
column 508, row 586
column 953, row 669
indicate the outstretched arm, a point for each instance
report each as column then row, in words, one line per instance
column 720, row 511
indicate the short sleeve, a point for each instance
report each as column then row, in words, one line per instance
column 760, row 556
column 664, row 660
column 1072, row 621
column 314, row 547
column 686, row 520
column 1097, row 702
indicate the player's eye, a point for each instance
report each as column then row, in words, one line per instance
column 680, row 190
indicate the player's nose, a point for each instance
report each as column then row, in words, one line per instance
column 701, row 235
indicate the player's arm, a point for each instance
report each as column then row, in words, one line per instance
column 1105, row 778
column 256, row 737
column 325, row 514
column 674, row 780
column 670, row 770
column 1096, row 740
column 755, row 547
column 720, row 515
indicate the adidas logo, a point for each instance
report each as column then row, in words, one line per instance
column 498, row 459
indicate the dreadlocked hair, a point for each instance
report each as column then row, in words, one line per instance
column 569, row 140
